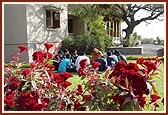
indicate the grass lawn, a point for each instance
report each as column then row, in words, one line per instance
column 160, row 86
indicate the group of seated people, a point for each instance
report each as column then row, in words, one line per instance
column 66, row 62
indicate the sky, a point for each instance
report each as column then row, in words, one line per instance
column 152, row 30
column 155, row 29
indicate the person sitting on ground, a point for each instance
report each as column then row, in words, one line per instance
column 79, row 58
column 74, row 56
column 120, row 56
column 65, row 52
column 57, row 59
column 96, row 54
column 65, row 63
column 111, row 59
column 103, row 62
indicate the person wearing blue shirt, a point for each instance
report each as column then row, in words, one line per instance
column 65, row 63
column 120, row 56
column 111, row 59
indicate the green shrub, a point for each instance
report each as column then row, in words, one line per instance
column 145, row 57
column 83, row 43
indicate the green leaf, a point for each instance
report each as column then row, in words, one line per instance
column 126, row 82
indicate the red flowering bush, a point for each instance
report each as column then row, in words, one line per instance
column 38, row 88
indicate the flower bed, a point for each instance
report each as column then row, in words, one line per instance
column 38, row 88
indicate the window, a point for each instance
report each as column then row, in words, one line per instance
column 70, row 25
column 52, row 19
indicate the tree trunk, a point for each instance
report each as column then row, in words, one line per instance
column 128, row 32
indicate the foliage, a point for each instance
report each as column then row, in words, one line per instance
column 147, row 41
column 158, row 41
column 145, row 57
column 133, row 40
column 38, row 88
column 125, row 12
column 87, row 42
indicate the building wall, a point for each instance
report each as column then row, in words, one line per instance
column 14, row 30
column 25, row 24
column 37, row 33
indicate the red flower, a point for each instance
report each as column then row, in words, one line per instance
column 150, row 66
column 154, row 97
column 14, row 83
column 80, row 88
column 131, row 66
column 47, row 100
column 142, row 101
column 32, row 65
column 9, row 100
column 87, row 97
column 38, row 56
column 65, row 75
column 95, row 65
column 28, row 102
column 26, row 72
column 83, row 63
column 22, row 48
column 66, row 84
column 157, row 62
column 81, row 72
column 92, row 86
column 119, row 65
column 140, row 61
column 115, row 98
column 156, row 105
column 78, row 106
column 48, row 46
column 101, row 85
column 62, row 77
column 47, row 55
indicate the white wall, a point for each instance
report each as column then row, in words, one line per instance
column 25, row 24
column 37, row 33
column 15, row 32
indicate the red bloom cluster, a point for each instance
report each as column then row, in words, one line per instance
column 81, row 72
column 22, row 48
column 82, row 68
column 83, row 63
column 149, row 65
column 9, row 100
column 14, row 83
column 78, row 106
column 26, row 72
column 61, row 79
column 154, row 98
column 95, row 65
column 79, row 88
column 127, row 76
column 48, row 46
column 39, row 56
column 29, row 102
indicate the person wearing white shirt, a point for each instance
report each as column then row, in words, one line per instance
column 79, row 58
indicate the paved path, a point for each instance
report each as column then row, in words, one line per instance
column 150, row 49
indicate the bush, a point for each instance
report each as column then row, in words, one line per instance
column 147, row 57
column 83, row 43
